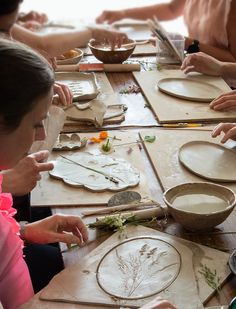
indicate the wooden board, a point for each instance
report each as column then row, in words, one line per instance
column 72, row 284
column 170, row 109
column 52, row 192
column 163, row 154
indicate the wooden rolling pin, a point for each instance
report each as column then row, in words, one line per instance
column 156, row 212
column 99, row 67
column 107, row 210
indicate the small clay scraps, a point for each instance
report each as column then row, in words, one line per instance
column 131, row 89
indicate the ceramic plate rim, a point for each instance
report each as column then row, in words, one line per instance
column 187, row 98
column 196, row 173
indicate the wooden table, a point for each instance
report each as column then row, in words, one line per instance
column 223, row 240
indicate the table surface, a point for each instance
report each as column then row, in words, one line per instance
column 222, row 238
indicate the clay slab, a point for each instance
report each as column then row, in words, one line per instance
column 189, row 89
column 79, row 170
column 69, row 142
column 50, row 191
column 209, row 160
column 83, row 85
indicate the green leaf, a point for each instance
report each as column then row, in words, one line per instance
column 150, row 138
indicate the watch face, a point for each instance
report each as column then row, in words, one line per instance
column 193, row 48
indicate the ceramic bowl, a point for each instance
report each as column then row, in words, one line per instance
column 72, row 56
column 191, row 219
column 105, row 54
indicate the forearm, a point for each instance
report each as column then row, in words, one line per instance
column 56, row 44
column 218, row 53
column 52, row 44
column 165, row 11
column 228, row 72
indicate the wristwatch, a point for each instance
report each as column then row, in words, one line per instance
column 194, row 47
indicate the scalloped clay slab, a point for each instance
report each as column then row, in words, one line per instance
column 69, row 142
column 78, row 176
column 209, row 160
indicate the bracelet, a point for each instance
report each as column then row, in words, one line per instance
column 22, row 229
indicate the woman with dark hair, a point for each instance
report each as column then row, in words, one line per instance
column 26, row 89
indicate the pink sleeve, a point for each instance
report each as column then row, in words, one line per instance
column 15, row 284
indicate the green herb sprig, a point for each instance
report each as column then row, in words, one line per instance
column 211, row 277
column 117, row 223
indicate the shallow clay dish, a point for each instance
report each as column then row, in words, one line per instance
column 105, row 54
column 72, row 56
column 69, row 142
column 199, row 221
column 82, row 85
column 209, row 160
column 189, row 89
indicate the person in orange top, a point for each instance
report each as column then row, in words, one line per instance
column 210, row 23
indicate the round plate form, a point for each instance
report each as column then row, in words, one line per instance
column 209, row 160
column 95, row 172
column 189, row 89
column 138, row 268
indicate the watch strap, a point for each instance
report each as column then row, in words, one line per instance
column 194, row 47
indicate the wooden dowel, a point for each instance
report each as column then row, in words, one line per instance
column 117, row 208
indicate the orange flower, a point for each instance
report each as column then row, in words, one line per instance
column 95, row 139
column 103, row 135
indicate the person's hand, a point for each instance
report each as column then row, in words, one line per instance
column 110, row 16
column 110, row 37
column 41, row 18
column 229, row 130
column 201, row 63
column 30, row 25
column 158, row 303
column 57, row 228
column 226, row 102
column 62, row 95
column 22, row 178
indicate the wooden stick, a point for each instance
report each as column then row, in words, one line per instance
column 107, row 210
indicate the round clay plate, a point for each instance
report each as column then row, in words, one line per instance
column 138, row 268
column 189, row 89
column 209, row 160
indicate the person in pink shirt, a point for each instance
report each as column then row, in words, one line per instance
column 210, row 23
column 26, row 90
